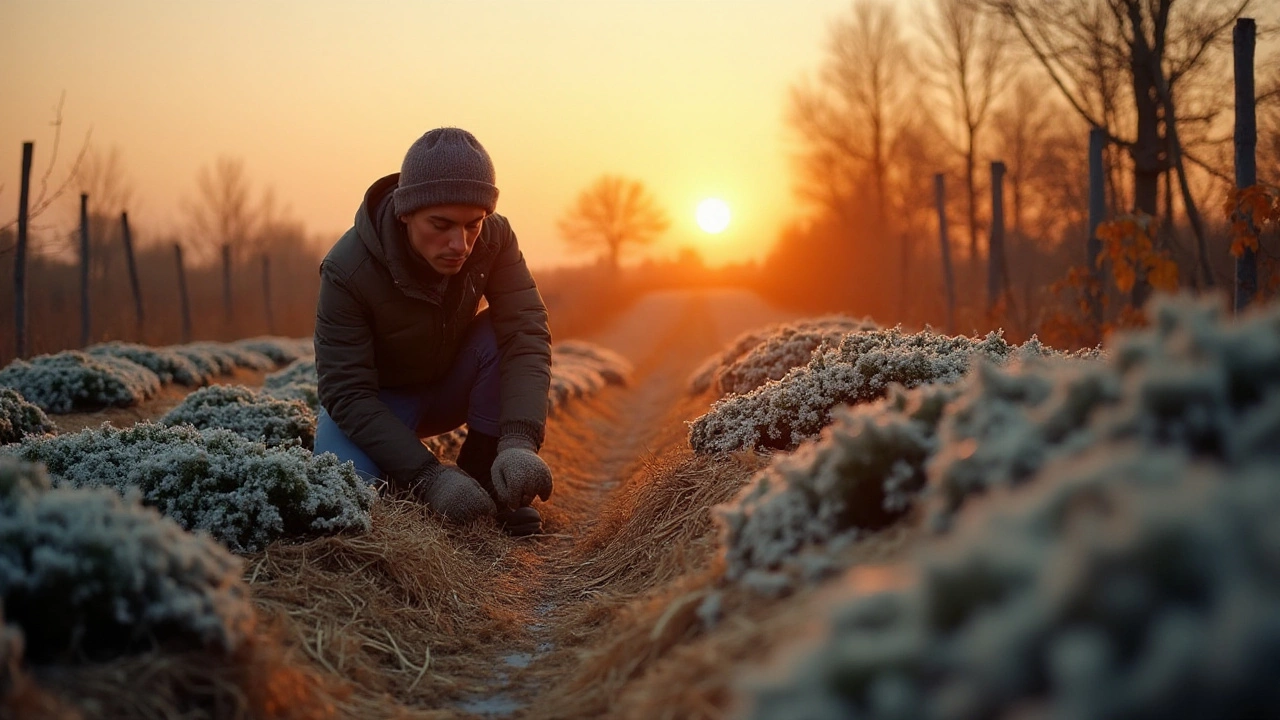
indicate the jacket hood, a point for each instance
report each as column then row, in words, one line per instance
column 388, row 242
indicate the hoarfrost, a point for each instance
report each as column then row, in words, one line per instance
column 247, row 413
column 85, row 571
column 19, row 418
column 242, row 493
column 75, row 380
column 169, row 365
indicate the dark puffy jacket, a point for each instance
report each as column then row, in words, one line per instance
column 386, row 319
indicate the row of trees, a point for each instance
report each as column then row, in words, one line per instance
column 1020, row 81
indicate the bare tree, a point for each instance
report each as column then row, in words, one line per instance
column 1020, row 126
column 847, row 121
column 969, row 62
column 1159, row 44
column 223, row 214
column 612, row 213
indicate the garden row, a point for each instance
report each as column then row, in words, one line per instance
column 115, row 539
column 1108, row 517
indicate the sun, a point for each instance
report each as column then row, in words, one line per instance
column 713, row 215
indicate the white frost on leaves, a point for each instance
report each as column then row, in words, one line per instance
column 74, row 380
column 19, row 418
column 226, row 356
column 768, row 353
column 782, row 413
column 580, row 369
column 1128, row 581
column 861, row 474
column 296, row 381
column 280, row 350
column 243, row 493
column 170, row 366
column 247, row 413
column 85, row 571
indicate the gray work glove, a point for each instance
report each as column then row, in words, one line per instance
column 519, row 475
column 452, row 493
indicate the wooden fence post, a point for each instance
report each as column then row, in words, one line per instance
column 226, row 287
column 133, row 270
column 940, row 193
column 182, row 292
column 266, row 293
column 1246, row 140
column 1097, row 209
column 20, row 256
column 997, row 283
column 85, row 321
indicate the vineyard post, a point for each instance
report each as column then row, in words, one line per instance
column 996, row 281
column 20, row 256
column 182, row 292
column 940, row 193
column 1246, row 141
column 133, row 270
column 266, row 293
column 85, row 320
column 1097, row 210
column 226, row 285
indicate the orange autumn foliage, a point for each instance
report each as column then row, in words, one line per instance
column 1129, row 243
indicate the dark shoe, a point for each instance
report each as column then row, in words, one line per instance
column 521, row 521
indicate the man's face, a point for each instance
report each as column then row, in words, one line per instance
column 443, row 235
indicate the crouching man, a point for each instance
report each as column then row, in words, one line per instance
column 402, row 353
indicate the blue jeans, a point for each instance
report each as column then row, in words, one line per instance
column 468, row 393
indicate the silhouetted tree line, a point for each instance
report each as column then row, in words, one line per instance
column 1020, row 81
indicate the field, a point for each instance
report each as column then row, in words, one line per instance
column 1029, row 534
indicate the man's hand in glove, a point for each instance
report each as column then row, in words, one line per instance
column 519, row 474
column 453, row 493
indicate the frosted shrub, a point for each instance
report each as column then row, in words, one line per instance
column 757, row 356
column 217, row 358
column 280, row 350
column 248, row 414
column 242, row 493
column 783, row 413
column 74, row 380
column 297, row 381
column 859, row 475
column 1191, row 380
column 85, row 571
column 19, row 418
column 1129, row 582
column 168, row 365
column 580, row 369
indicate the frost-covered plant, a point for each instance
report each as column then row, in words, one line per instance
column 243, row 493
column 74, row 380
column 783, row 413
column 19, row 418
column 280, row 350
column 1130, row 582
column 580, row 369
column 297, row 381
column 217, row 358
column 1190, row 380
column 85, row 571
column 859, row 475
column 247, row 413
column 767, row 353
column 608, row 364
column 168, row 365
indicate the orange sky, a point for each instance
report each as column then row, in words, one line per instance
column 320, row 98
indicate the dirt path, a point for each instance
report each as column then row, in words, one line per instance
column 593, row 451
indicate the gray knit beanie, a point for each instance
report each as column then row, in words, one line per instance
column 447, row 166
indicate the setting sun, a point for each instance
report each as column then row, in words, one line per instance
column 713, row 215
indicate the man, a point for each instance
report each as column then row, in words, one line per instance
column 402, row 353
